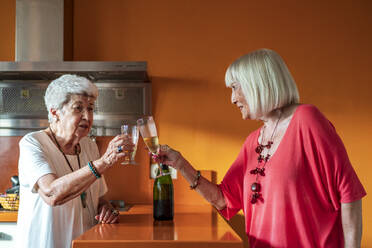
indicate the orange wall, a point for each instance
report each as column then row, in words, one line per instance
column 7, row 30
column 8, row 145
column 189, row 44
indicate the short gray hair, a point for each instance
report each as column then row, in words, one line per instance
column 265, row 79
column 60, row 90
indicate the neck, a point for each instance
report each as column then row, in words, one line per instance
column 66, row 142
column 271, row 119
column 283, row 113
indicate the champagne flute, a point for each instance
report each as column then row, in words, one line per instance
column 149, row 134
column 132, row 131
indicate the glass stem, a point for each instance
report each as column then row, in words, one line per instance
column 159, row 166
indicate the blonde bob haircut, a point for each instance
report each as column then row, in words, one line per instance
column 265, row 81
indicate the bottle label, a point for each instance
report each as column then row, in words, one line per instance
column 164, row 174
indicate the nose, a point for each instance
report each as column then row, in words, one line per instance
column 85, row 114
column 233, row 99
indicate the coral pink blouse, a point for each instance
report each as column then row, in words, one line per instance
column 307, row 179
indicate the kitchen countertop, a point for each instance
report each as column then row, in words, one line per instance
column 193, row 226
column 8, row 215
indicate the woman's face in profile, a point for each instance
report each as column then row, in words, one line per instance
column 238, row 98
column 77, row 116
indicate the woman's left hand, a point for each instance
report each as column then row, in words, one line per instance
column 107, row 215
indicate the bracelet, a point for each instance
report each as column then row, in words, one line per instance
column 94, row 169
column 196, row 182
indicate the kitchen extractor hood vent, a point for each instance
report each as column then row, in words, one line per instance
column 49, row 70
column 124, row 94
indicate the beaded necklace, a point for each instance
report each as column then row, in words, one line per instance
column 260, row 171
column 83, row 196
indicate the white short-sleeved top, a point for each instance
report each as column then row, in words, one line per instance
column 39, row 224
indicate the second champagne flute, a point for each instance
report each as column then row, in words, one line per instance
column 132, row 131
column 149, row 134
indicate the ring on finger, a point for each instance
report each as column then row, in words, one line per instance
column 115, row 212
column 119, row 149
column 165, row 148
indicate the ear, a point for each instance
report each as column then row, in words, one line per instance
column 55, row 114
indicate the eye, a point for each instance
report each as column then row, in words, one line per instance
column 90, row 109
column 235, row 86
column 78, row 108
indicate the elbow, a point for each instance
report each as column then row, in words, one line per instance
column 50, row 198
column 53, row 202
column 220, row 205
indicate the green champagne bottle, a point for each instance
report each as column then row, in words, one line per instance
column 163, row 195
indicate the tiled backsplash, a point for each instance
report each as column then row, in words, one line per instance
column 9, row 153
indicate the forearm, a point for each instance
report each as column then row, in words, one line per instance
column 56, row 191
column 351, row 214
column 210, row 191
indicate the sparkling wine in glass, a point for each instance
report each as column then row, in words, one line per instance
column 152, row 143
column 132, row 131
column 149, row 134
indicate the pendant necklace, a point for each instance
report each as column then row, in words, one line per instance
column 260, row 171
column 83, row 196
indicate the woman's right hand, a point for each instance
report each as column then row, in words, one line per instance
column 117, row 149
column 169, row 157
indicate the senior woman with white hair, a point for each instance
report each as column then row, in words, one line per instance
column 61, row 172
column 292, row 178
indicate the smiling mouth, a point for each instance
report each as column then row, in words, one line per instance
column 83, row 126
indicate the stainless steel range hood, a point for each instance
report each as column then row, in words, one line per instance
column 94, row 70
column 43, row 41
column 124, row 94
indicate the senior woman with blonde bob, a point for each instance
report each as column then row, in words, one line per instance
column 61, row 172
column 292, row 178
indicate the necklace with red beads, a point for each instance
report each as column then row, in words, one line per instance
column 262, row 160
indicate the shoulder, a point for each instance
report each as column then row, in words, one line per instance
column 309, row 115
column 33, row 138
column 311, row 120
column 309, row 111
